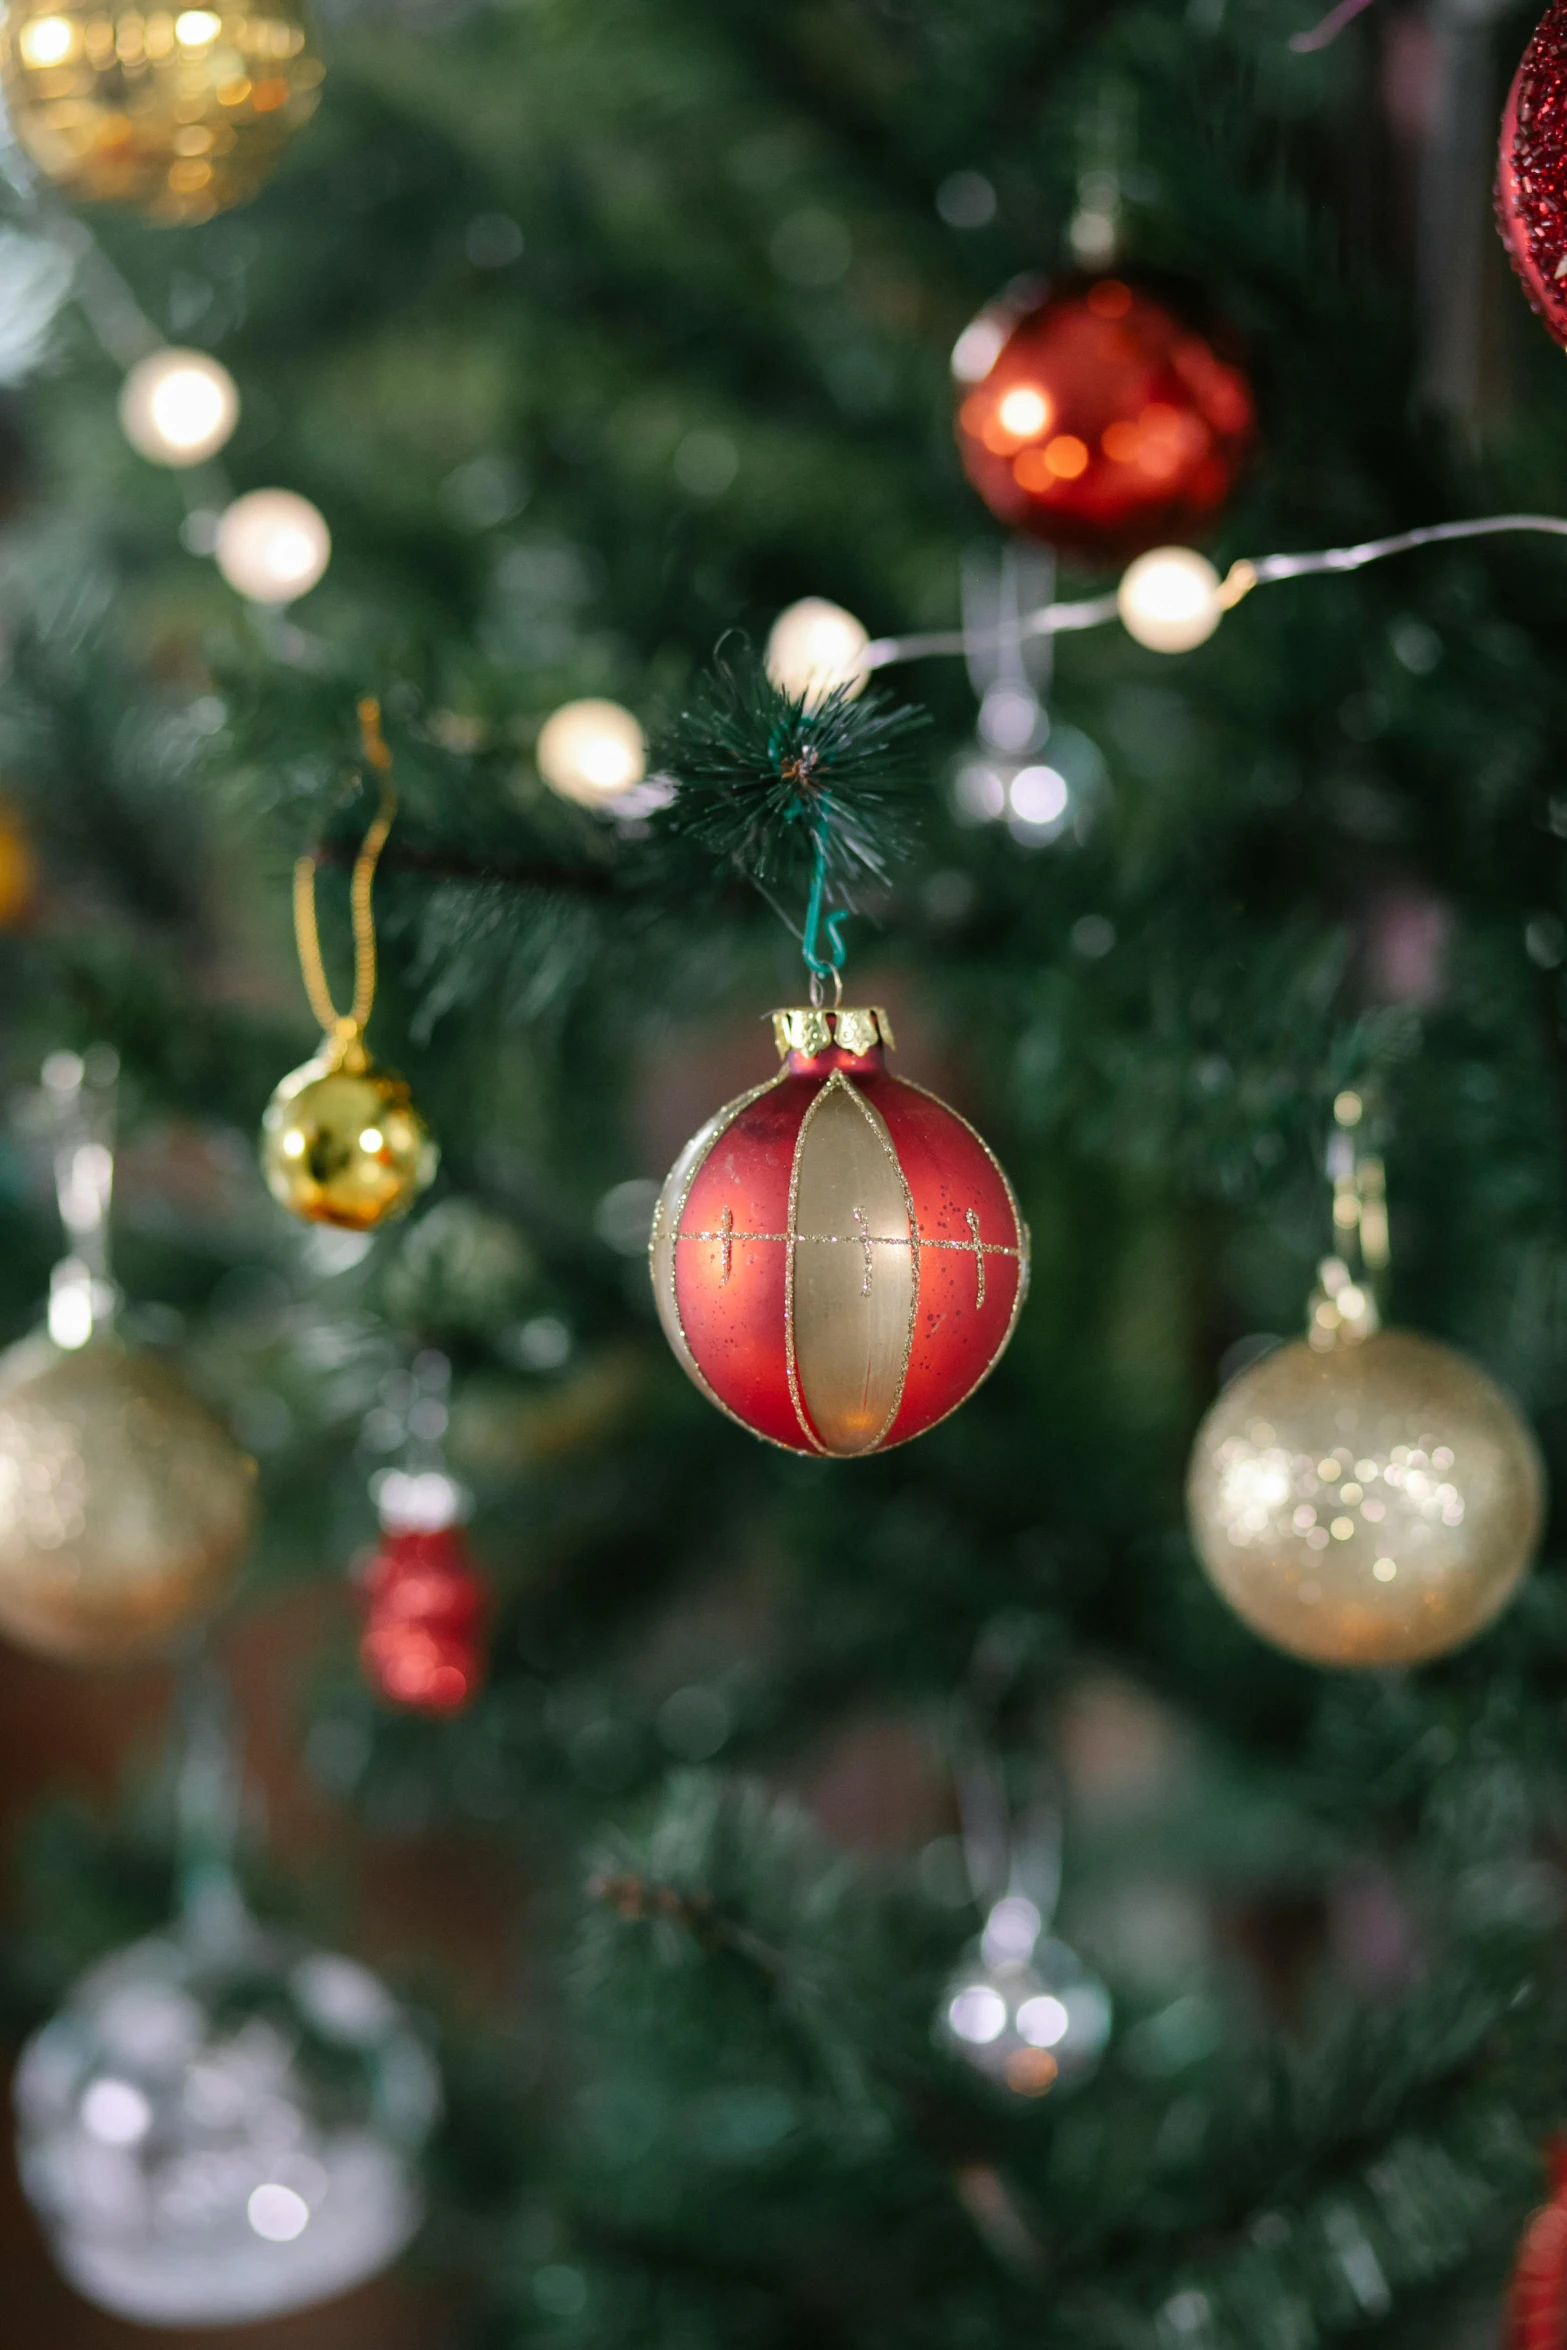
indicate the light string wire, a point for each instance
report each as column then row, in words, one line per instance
column 1323, row 35
column 344, row 1029
column 1250, row 572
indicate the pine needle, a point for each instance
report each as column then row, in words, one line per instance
column 769, row 781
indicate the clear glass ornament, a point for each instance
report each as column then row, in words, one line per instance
column 1020, row 2006
column 221, row 2124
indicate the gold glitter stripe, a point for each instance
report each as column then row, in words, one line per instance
column 914, row 1243
column 790, row 1238
column 964, row 1248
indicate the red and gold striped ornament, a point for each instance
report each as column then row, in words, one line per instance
column 838, row 1259
column 1537, row 2297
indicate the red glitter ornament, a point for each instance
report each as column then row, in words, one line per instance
column 422, row 1646
column 1531, row 175
column 838, row 1259
column 1096, row 418
column 1537, row 2297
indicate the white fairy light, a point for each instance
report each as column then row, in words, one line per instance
column 1171, row 600
column 272, row 546
column 1261, row 571
column 816, row 647
column 178, row 407
column 593, row 752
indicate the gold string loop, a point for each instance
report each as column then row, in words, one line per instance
column 344, row 1031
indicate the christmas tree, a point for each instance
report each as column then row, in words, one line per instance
column 842, row 1901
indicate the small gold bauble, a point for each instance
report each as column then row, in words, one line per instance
column 1368, row 1504
column 124, row 1507
column 178, row 111
column 18, row 869
column 346, row 1146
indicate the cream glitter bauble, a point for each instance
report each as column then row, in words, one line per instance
column 1367, row 1504
column 124, row 1506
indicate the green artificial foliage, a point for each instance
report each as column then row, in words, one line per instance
column 763, row 774
column 601, row 331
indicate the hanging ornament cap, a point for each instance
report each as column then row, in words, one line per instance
column 805, row 1034
column 838, row 1259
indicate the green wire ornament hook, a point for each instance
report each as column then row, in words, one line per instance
column 829, row 966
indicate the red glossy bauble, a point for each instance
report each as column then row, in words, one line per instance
column 1098, row 419
column 423, row 1645
column 1537, row 2297
column 1531, row 174
column 838, row 1259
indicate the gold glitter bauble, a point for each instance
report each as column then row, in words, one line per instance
column 124, row 1507
column 1370, row 1504
column 178, row 111
column 346, row 1146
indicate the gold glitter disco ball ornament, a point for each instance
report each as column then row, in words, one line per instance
column 1365, row 1496
column 124, row 1506
column 180, row 112
column 343, row 1143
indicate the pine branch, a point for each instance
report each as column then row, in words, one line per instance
column 771, row 781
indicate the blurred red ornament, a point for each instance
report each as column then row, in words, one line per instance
column 423, row 1642
column 1537, row 2297
column 1099, row 420
column 1531, row 175
column 837, row 1257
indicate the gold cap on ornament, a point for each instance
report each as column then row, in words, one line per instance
column 809, row 1031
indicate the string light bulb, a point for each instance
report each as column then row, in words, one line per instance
column 1171, row 600
column 178, row 407
column 272, row 546
column 593, row 752
column 814, row 649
